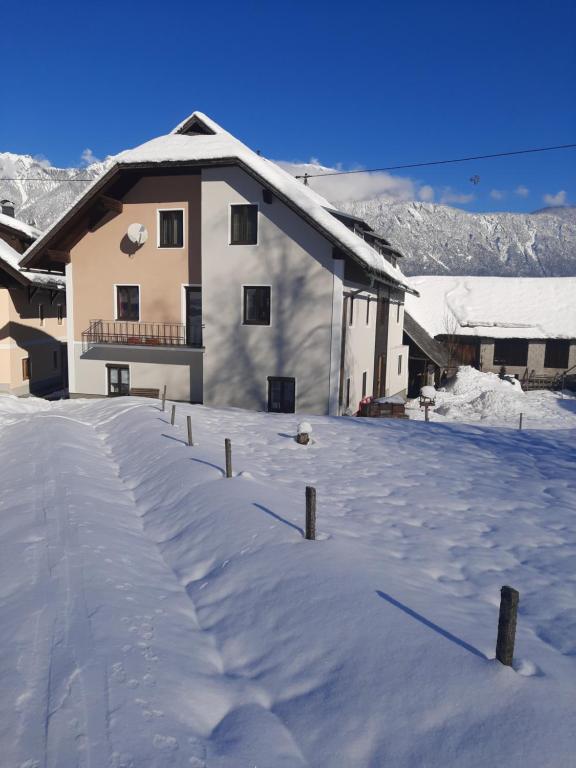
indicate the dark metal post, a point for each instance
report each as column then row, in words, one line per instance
column 520, row 424
column 310, row 513
column 228, row 451
column 507, row 625
column 173, row 415
column 164, row 398
column 189, row 422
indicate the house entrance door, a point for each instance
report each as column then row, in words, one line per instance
column 193, row 316
column 118, row 380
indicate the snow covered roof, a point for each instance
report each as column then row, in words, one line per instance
column 220, row 145
column 496, row 307
column 19, row 227
column 10, row 261
column 207, row 142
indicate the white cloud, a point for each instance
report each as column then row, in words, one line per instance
column 450, row 196
column 88, row 157
column 42, row 161
column 497, row 194
column 558, row 199
column 522, row 191
column 353, row 187
column 426, row 193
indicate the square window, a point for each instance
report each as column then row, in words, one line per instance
column 171, row 229
column 257, row 305
column 128, row 302
column 243, row 224
column 557, row 353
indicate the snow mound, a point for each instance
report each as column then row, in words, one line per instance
column 476, row 395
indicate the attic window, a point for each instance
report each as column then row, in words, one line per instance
column 196, row 128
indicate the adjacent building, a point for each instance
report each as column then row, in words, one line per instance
column 33, row 357
column 526, row 325
column 196, row 264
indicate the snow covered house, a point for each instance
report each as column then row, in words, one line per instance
column 32, row 318
column 526, row 325
column 195, row 263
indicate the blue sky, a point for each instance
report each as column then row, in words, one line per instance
column 363, row 84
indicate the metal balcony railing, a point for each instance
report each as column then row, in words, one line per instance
column 125, row 332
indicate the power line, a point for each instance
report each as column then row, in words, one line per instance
column 39, row 178
column 437, row 162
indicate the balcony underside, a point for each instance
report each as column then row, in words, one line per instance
column 135, row 353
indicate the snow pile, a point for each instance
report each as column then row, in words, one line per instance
column 477, row 396
column 156, row 614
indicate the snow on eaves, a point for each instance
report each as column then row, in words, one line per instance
column 495, row 307
column 19, row 227
column 11, row 259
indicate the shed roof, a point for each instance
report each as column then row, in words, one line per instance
column 496, row 307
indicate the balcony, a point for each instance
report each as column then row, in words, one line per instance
column 133, row 334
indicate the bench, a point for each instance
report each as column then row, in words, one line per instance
column 155, row 393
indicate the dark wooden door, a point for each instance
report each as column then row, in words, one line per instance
column 281, row 394
column 118, row 380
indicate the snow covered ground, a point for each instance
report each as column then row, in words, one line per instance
column 475, row 396
column 154, row 613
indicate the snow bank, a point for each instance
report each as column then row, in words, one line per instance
column 156, row 614
column 477, row 396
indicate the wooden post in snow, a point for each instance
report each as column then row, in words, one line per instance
column 507, row 625
column 164, row 398
column 228, row 452
column 173, row 415
column 426, row 417
column 310, row 513
column 520, row 424
column 189, row 423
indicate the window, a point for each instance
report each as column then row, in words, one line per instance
column 171, row 229
column 257, row 305
column 367, row 311
column 55, row 360
column 60, row 311
column 243, row 224
column 281, row 394
column 26, row 369
column 41, row 313
column 510, row 352
column 557, row 353
column 347, row 393
column 128, row 302
column 364, row 378
column 351, row 311
column 399, row 364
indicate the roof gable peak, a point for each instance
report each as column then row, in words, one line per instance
column 198, row 124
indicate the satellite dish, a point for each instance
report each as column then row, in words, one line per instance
column 137, row 233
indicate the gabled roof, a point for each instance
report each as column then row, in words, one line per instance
column 19, row 228
column 198, row 141
column 432, row 348
column 495, row 307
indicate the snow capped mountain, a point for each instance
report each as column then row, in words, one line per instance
column 435, row 239
column 439, row 240
column 40, row 191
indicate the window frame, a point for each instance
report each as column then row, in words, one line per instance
column 26, row 369
column 499, row 361
column 116, row 305
column 159, row 229
column 243, row 205
column 565, row 344
column 292, row 379
column 243, row 308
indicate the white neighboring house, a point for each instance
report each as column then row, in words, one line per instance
column 526, row 325
column 250, row 290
